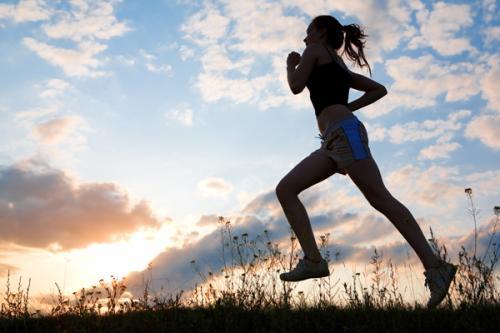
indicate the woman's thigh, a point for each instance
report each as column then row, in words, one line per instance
column 366, row 175
column 311, row 170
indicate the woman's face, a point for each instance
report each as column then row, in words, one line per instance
column 313, row 35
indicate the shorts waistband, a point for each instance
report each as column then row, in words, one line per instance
column 332, row 126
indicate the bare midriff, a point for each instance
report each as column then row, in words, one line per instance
column 332, row 114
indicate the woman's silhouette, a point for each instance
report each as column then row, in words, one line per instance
column 344, row 148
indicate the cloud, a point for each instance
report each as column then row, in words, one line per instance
column 28, row 116
column 441, row 149
column 26, row 11
column 6, row 268
column 440, row 26
column 489, row 9
column 213, row 186
column 80, row 62
column 159, row 68
column 151, row 66
column 84, row 23
column 186, row 52
column 54, row 87
column 439, row 189
column 490, row 83
column 90, row 19
column 42, row 207
column 57, row 134
column 418, row 82
column 486, row 129
column 182, row 114
column 442, row 129
column 434, row 188
column 56, row 130
column 491, row 34
column 415, row 131
column 206, row 26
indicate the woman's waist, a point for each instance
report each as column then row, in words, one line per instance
column 333, row 114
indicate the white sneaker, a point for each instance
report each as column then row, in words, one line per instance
column 306, row 269
column 438, row 280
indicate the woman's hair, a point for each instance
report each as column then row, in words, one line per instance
column 335, row 37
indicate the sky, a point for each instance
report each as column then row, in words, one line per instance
column 127, row 128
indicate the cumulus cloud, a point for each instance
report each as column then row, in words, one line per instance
column 206, row 26
column 441, row 149
column 28, row 116
column 433, row 188
column 430, row 128
column 442, row 129
column 56, row 130
column 439, row 189
column 54, row 87
column 90, row 19
column 26, row 11
column 418, row 82
column 74, row 62
column 490, row 83
column 486, row 129
column 214, row 186
column 41, row 206
column 51, row 130
column 491, row 34
column 83, row 23
column 489, row 9
column 439, row 28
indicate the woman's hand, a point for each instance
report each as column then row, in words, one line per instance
column 293, row 59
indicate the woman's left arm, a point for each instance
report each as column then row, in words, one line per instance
column 297, row 77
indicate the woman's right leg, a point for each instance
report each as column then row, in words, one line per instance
column 366, row 175
column 311, row 170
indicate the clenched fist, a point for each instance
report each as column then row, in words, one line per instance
column 293, row 59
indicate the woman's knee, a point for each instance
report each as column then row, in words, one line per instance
column 284, row 189
column 381, row 202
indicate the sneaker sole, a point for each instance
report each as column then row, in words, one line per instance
column 310, row 276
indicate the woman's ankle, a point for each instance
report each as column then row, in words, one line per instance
column 313, row 260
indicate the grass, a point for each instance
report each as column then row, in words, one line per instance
column 247, row 295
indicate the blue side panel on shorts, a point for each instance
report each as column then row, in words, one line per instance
column 351, row 129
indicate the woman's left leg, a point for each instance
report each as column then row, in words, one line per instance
column 366, row 175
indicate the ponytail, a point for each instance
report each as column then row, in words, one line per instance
column 355, row 35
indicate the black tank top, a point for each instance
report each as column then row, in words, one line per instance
column 328, row 84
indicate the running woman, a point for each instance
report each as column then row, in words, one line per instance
column 344, row 149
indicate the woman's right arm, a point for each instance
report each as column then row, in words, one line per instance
column 373, row 91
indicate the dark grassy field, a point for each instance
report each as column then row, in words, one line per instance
column 223, row 318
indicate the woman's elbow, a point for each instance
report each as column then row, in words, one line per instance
column 296, row 89
column 383, row 91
